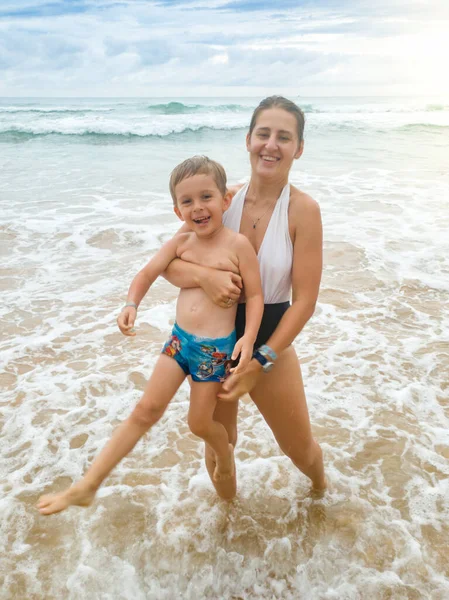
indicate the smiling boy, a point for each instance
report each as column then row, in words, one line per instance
column 202, row 343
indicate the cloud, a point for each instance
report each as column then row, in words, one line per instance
column 40, row 10
column 130, row 47
column 262, row 5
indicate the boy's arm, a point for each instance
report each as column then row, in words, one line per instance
column 151, row 271
column 250, row 273
column 142, row 282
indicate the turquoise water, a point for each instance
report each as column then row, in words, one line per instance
column 84, row 203
column 146, row 138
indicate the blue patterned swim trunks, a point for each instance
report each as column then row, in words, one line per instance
column 205, row 359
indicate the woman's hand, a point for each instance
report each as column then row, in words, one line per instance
column 126, row 319
column 240, row 383
column 222, row 287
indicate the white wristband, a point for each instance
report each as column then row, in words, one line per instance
column 133, row 304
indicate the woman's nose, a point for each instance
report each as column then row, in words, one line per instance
column 271, row 142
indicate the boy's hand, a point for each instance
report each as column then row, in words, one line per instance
column 244, row 347
column 126, row 319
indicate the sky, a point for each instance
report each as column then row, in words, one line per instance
column 113, row 48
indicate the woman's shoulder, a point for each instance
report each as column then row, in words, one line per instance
column 304, row 214
column 302, row 204
column 233, row 189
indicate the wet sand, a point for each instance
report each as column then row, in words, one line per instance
column 158, row 530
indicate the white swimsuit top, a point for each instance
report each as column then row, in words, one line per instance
column 276, row 251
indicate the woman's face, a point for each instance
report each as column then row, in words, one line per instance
column 273, row 144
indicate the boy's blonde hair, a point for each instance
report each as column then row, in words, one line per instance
column 197, row 165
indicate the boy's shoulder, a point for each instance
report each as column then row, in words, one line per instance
column 231, row 234
column 184, row 236
column 182, row 241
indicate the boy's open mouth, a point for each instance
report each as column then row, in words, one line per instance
column 201, row 220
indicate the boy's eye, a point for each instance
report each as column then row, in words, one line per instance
column 186, row 201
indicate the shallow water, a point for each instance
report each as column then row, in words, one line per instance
column 79, row 217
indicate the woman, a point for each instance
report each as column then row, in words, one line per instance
column 284, row 226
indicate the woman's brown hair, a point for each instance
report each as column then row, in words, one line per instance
column 280, row 102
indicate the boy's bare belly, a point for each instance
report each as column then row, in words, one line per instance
column 198, row 315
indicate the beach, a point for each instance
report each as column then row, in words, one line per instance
column 84, row 204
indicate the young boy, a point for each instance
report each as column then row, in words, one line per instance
column 202, row 343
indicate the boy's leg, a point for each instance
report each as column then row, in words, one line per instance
column 203, row 400
column 226, row 414
column 161, row 387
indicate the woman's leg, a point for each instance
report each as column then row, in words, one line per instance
column 226, row 414
column 161, row 387
column 283, row 406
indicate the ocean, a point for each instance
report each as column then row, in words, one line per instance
column 84, row 204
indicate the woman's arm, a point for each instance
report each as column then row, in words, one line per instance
column 218, row 285
column 183, row 274
column 306, row 277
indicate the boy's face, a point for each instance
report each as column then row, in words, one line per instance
column 200, row 204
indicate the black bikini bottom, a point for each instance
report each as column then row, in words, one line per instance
column 272, row 314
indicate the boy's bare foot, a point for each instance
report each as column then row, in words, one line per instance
column 225, row 467
column 226, row 488
column 78, row 495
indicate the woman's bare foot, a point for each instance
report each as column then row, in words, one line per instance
column 225, row 467
column 79, row 494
